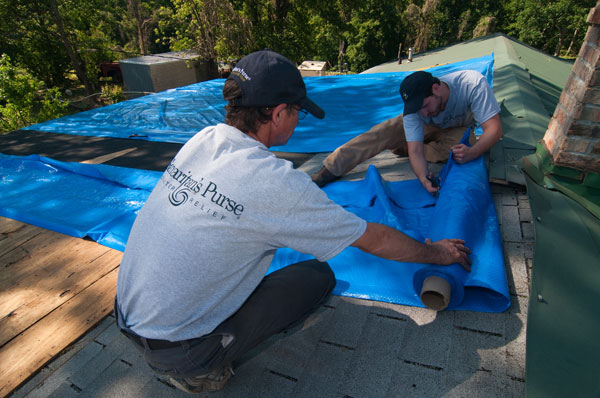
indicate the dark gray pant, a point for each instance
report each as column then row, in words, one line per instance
column 282, row 299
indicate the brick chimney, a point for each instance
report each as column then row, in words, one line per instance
column 573, row 135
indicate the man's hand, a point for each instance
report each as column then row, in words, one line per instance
column 463, row 153
column 451, row 251
column 429, row 183
column 386, row 242
column 492, row 132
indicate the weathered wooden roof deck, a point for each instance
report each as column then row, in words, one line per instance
column 53, row 289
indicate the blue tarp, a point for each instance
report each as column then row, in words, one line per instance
column 102, row 202
column 352, row 104
column 75, row 199
column 463, row 210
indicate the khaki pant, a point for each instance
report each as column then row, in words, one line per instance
column 390, row 135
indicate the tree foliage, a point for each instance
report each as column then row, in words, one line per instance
column 359, row 32
column 211, row 27
column 550, row 25
column 53, row 40
column 22, row 100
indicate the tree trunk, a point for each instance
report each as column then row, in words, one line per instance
column 205, row 19
column 134, row 6
column 75, row 59
column 572, row 41
column 400, row 53
column 559, row 45
column 341, row 55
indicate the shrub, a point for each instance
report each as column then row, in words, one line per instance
column 24, row 99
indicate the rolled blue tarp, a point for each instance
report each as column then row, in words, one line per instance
column 465, row 210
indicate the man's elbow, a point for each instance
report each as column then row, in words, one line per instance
column 372, row 239
column 496, row 127
column 495, row 137
column 499, row 131
column 416, row 153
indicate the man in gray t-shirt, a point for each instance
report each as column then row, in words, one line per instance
column 437, row 112
column 192, row 294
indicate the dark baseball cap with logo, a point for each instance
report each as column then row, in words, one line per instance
column 268, row 79
column 414, row 88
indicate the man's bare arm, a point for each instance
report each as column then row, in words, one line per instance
column 389, row 243
column 416, row 156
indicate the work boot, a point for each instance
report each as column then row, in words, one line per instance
column 323, row 177
column 212, row 381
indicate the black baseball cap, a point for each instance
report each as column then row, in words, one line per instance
column 268, row 79
column 414, row 88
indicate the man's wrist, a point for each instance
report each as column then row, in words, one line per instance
column 475, row 152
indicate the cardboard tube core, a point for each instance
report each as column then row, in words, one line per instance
column 435, row 293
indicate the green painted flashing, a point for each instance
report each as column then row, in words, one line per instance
column 562, row 321
column 588, row 179
column 562, row 171
column 586, row 196
column 582, row 188
column 532, row 167
column 592, row 180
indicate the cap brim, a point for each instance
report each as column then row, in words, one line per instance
column 312, row 108
column 413, row 106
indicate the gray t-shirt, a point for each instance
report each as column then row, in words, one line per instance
column 471, row 99
column 209, row 230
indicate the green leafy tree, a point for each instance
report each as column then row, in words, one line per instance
column 360, row 33
column 377, row 29
column 550, row 25
column 422, row 23
column 331, row 29
column 23, row 100
column 27, row 36
column 70, row 46
column 212, row 28
column 460, row 20
column 138, row 27
column 51, row 38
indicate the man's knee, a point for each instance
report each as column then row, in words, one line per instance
column 319, row 273
column 436, row 153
